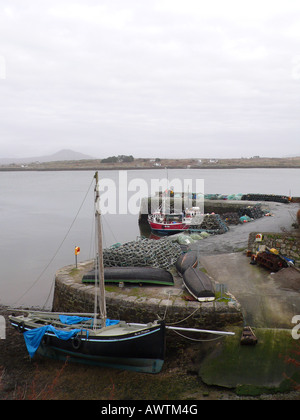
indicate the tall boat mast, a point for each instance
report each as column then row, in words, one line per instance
column 99, row 263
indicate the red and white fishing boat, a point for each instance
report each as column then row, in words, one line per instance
column 170, row 223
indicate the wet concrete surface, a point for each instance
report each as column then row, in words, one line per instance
column 282, row 217
column 268, row 300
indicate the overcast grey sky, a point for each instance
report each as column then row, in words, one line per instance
column 165, row 78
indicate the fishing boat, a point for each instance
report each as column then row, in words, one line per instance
column 171, row 223
column 166, row 223
column 93, row 338
column 80, row 338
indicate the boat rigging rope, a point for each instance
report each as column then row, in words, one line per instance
column 56, row 252
column 49, row 294
column 109, row 227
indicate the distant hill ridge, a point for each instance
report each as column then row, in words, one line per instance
column 64, row 154
column 67, row 159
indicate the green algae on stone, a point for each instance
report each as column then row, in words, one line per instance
column 253, row 370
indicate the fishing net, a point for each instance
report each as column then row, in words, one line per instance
column 143, row 253
column 212, row 223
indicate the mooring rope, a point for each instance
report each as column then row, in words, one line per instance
column 197, row 339
column 179, row 322
column 167, row 306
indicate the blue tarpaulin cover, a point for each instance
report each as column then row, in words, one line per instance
column 111, row 322
column 74, row 319
column 33, row 337
column 71, row 319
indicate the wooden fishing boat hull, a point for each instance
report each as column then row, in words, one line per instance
column 139, row 275
column 189, row 259
column 168, row 228
column 199, row 285
column 141, row 353
column 139, row 349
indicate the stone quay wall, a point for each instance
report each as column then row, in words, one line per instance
column 73, row 296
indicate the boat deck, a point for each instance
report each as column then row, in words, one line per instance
column 40, row 319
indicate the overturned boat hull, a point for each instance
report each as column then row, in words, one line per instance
column 199, row 285
column 186, row 260
column 139, row 275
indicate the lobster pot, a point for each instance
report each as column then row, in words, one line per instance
column 143, row 253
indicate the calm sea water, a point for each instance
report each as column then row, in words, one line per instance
column 39, row 227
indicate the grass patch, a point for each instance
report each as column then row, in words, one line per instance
column 74, row 272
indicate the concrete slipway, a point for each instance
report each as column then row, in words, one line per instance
column 269, row 302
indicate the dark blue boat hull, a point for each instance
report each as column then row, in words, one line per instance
column 139, row 275
column 142, row 350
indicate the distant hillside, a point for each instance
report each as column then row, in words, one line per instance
column 66, row 160
column 62, row 155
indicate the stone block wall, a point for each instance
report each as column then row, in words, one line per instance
column 70, row 296
column 287, row 244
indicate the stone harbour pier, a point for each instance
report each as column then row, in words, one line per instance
column 144, row 304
